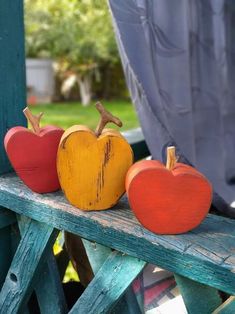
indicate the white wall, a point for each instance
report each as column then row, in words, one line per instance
column 40, row 79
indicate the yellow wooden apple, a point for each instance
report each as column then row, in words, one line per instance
column 92, row 166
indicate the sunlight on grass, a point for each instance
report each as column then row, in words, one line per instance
column 68, row 114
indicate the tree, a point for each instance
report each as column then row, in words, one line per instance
column 77, row 34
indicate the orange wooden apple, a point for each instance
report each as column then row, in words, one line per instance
column 32, row 154
column 92, row 166
column 168, row 200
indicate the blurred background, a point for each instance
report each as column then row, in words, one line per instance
column 72, row 61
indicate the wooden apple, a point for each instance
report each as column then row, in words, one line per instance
column 168, row 200
column 92, row 166
column 32, row 154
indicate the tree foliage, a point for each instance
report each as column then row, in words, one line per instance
column 76, row 33
column 79, row 31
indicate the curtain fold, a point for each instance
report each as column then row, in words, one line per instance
column 179, row 62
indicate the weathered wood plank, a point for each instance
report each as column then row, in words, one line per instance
column 7, row 217
column 36, row 239
column 97, row 255
column 47, row 283
column 198, row 298
column 228, row 307
column 12, row 71
column 206, row 254
column 109, row 284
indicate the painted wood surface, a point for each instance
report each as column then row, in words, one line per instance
column 49, row 290
column 97, row 255
column 92, row 169
column 198, row 298
column 35, row 241
column 33, row 156
column 109, row 284
column 228, row 307
column 205, row 254
column 168, row 201
column 12, row 71
column 46, row 281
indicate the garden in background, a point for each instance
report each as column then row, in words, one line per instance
column 68, row 114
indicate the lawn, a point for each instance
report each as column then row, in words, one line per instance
column 68, row 114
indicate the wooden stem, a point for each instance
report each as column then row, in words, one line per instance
column 171, row 158
column 33, row 120
column 106, row 117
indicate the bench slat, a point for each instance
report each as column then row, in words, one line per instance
column 206, row 254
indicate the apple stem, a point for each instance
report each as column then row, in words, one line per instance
column 106, row 117
column 33, row 120
column 171, row 158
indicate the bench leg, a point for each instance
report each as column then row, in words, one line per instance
column 35, row 242
column 228, row 307
column 47, row 284
column 109, row 284
column 97, row 255
column 198, row 298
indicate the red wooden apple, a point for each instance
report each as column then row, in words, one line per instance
column 32, row 154
column 168, row 200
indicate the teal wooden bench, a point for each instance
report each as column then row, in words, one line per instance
column 118, row 248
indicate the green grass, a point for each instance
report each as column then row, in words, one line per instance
column 68, row 114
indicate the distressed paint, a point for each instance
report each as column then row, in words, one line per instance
column 205, row 254
column 36, row 239
column 12, row 71
column 109, row 284
column 198, row 298
column 92, row 170
column 97, row 255
column 33, row 156
column 47, row 283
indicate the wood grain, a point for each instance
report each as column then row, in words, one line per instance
column 109, row 284
column 12, row 72
column 36, row 239
column 46, row 281
column 206, row 254
column 92, row 170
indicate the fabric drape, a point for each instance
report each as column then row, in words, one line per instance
column 179, row 62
